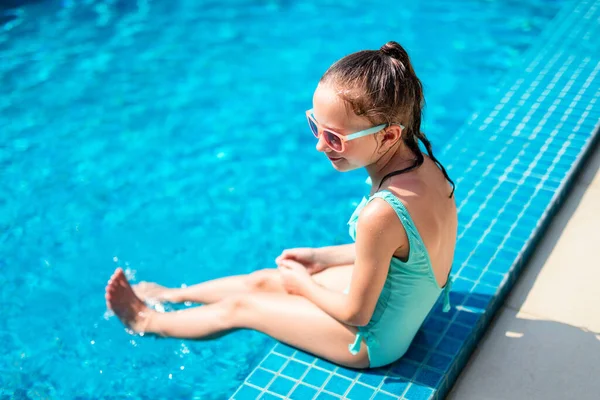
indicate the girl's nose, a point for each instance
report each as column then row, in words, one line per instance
column 321, row 145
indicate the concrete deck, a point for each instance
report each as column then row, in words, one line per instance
column 545, row 340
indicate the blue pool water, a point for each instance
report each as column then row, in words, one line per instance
column 168, row 139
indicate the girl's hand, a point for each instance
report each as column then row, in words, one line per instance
column 305, row 256
column 294, row 276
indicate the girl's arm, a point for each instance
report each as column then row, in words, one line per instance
column 377, row 238
column 331, row 256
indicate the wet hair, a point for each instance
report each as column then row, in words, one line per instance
column 382, row 86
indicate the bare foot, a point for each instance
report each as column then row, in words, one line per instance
column 121, row 299
column 152, row 291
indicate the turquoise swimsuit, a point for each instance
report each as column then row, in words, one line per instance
column 409, row 293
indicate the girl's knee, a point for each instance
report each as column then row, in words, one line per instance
column 233, row 309
column 263, row 280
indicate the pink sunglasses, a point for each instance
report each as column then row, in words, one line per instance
column 336, row 140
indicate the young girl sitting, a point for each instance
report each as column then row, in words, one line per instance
column 358, row 305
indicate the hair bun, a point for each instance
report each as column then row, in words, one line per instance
column 393, row 49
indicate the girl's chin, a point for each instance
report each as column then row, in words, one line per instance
column 342, row 165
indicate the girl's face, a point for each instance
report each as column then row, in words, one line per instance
column 330, row 112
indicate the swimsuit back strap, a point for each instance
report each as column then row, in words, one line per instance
column 414, row 239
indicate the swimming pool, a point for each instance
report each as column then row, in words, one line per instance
column 163, row 139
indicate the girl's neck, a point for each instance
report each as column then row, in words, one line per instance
column 394, row 160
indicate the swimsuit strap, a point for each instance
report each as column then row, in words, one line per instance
column 355, row 347
column 398, row 172
column 447, row 290
column 417, row 246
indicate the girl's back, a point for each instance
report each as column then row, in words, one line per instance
column 424, row 192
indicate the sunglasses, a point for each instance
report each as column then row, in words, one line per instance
column 336, row 140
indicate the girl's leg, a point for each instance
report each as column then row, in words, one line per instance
column 261, row 281
column 206, row 292
column 291, row 319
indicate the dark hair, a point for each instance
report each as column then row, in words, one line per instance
column 382, row 86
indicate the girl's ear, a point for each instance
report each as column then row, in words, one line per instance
column 392, row 134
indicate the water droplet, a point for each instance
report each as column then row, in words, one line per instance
column 182, row 368
column 184, row 349
column 93, row 342
column 115, row 259
column 170, row 376
column 100, row 371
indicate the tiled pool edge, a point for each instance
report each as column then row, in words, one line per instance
column 426, row 372
column 520, row 263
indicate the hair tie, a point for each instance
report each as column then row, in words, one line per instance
column 392, row 49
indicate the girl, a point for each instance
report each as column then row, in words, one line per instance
column 358, row 305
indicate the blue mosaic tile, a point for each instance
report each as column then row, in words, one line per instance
column 269, row 396
column 294, row 369
column 462, row 285
column 426, row 338
column 261, row 378
column 449, row 346
column 509, row 183
column 327, row 396
column 435, row 325
column 284, row 349
column 371, row 378
column 338, row 385
column 316, row 377
column 416, row 354
column 303, row 392
column 302, row 356
column 325, row 365
column 467, row 317
column 476, row 301
column 247, row 393
column 348, row 373
column 273, row 362
column 281, row 385
column 384, row 396
column 485, row 289
column 394, row 385
column 439, row 361
column 471, row 274
column 360, row 392
column 428, row 377
column 417, row 392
